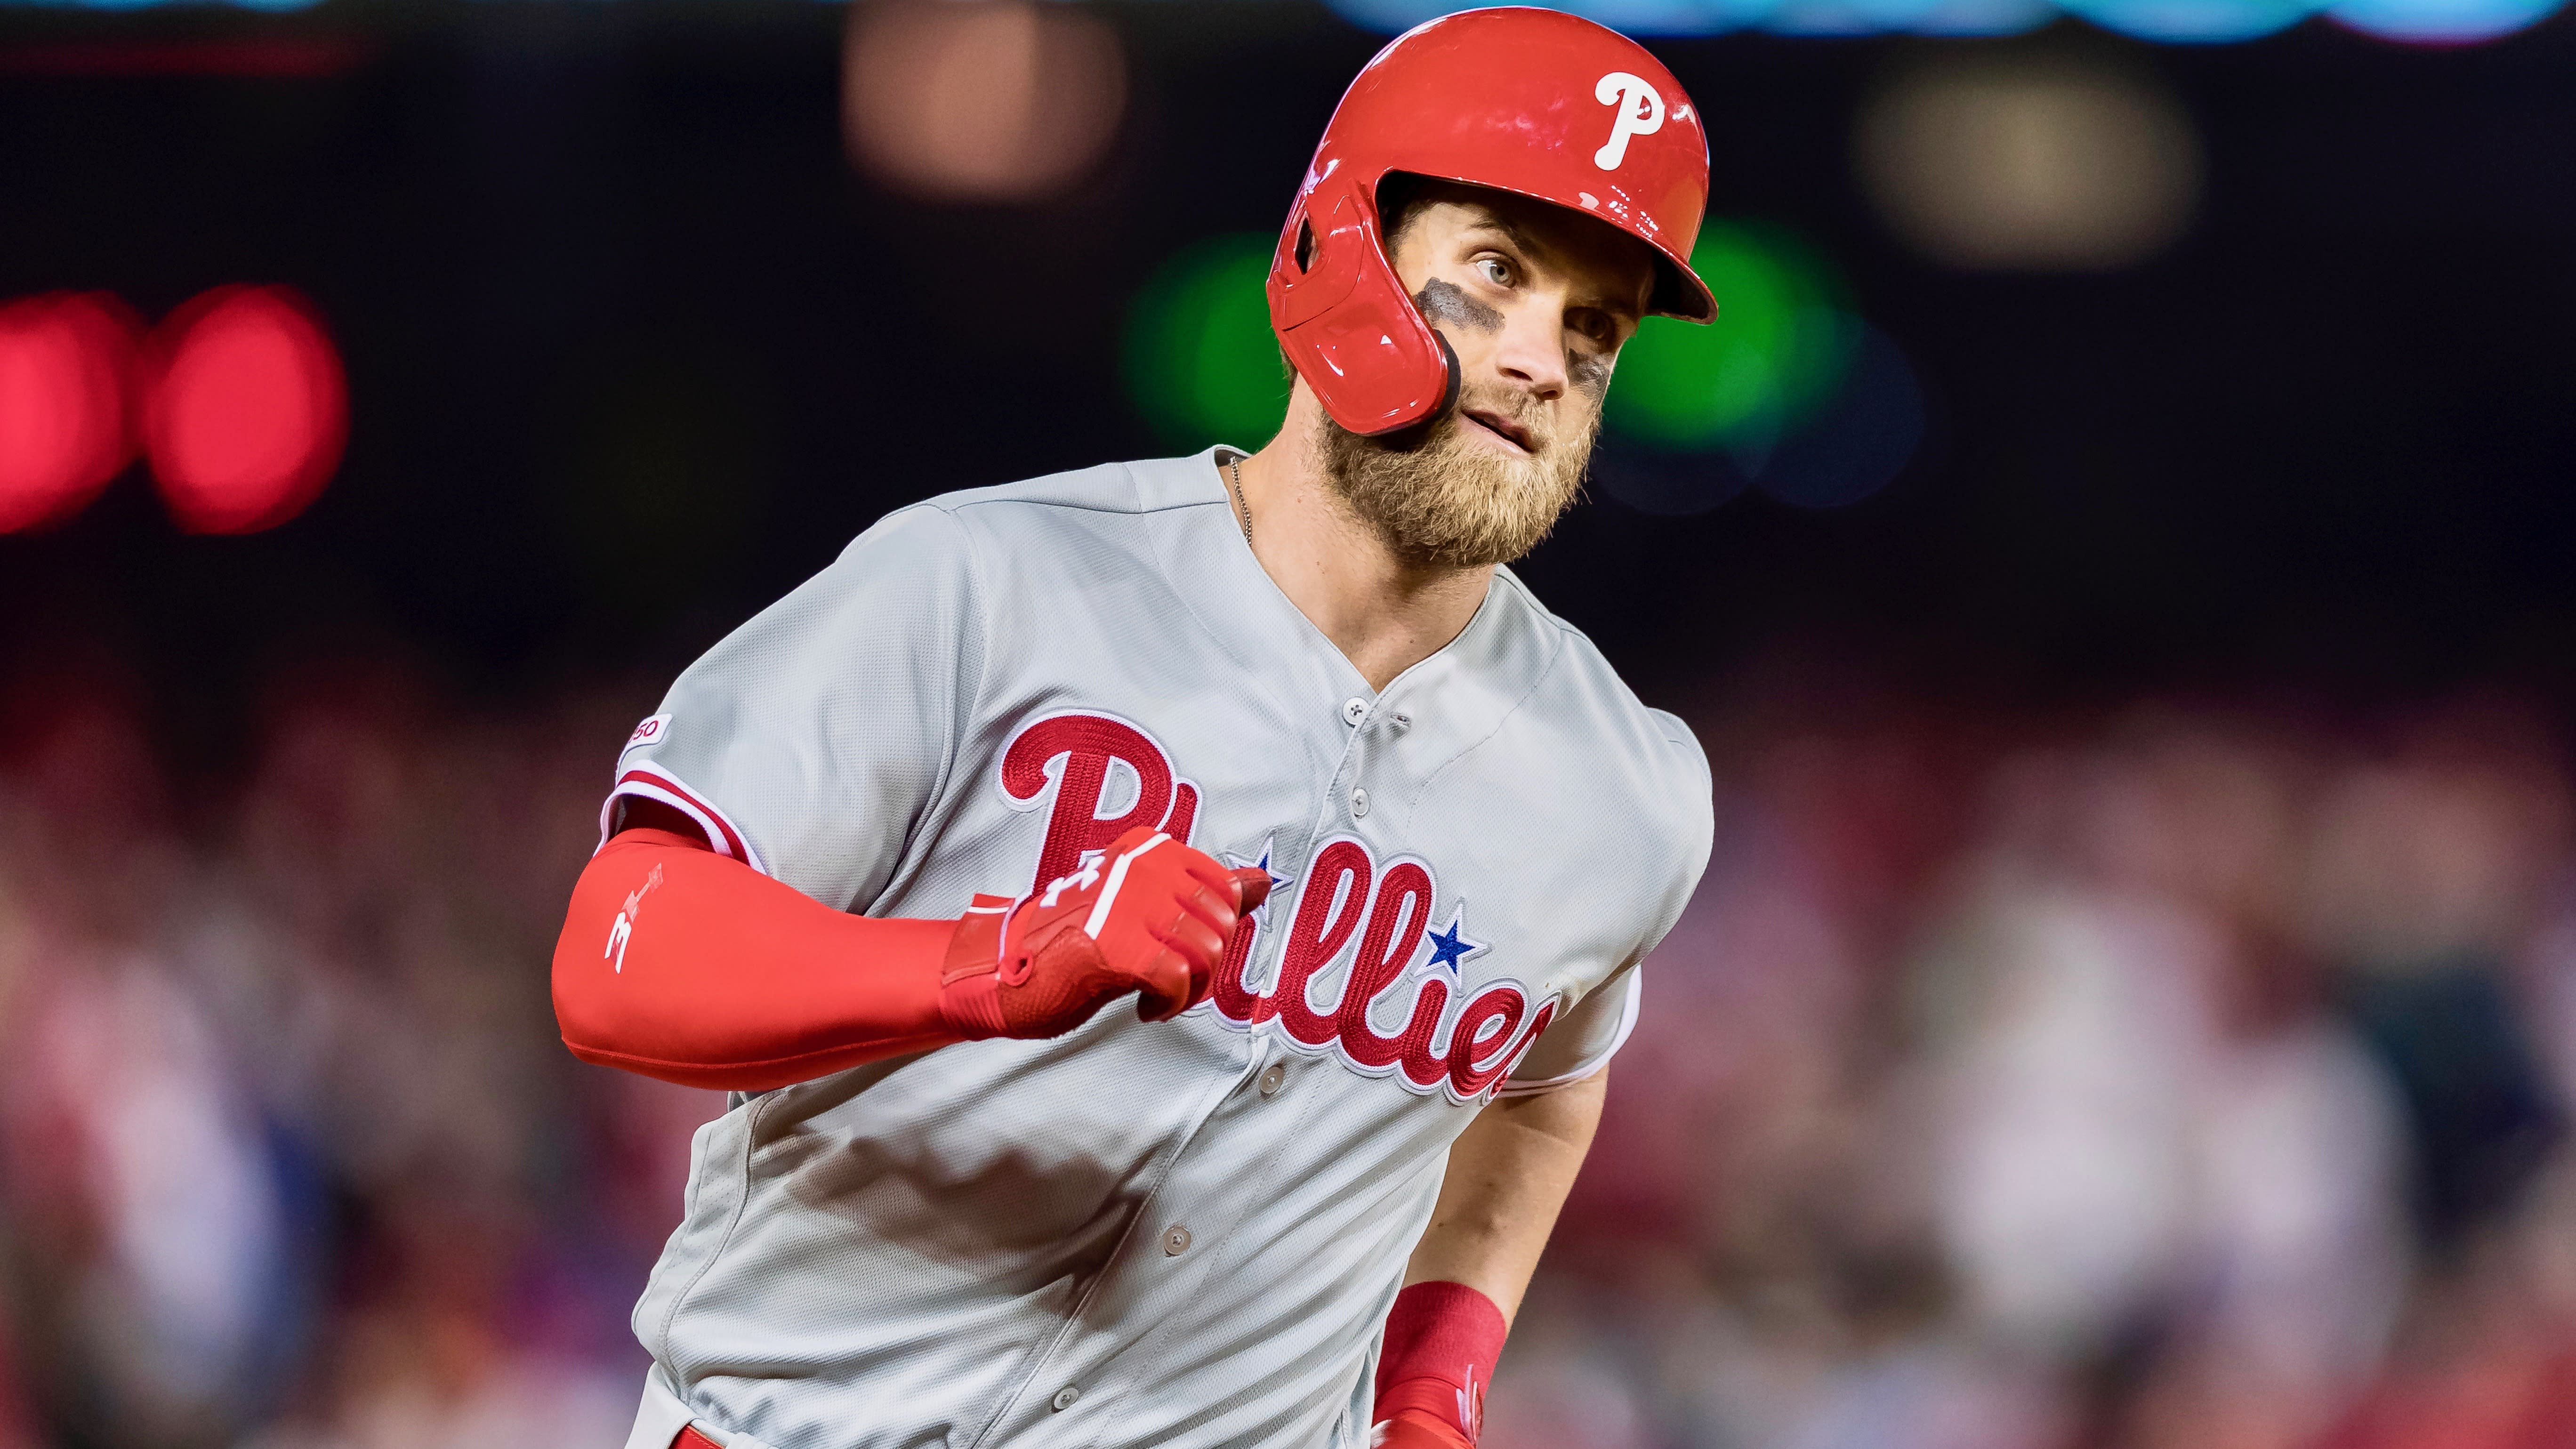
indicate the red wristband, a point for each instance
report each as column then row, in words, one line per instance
column 1441, row 1343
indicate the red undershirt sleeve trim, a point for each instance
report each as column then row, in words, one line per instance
column 649, row 781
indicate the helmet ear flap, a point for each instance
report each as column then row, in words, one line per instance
column 1344, row 322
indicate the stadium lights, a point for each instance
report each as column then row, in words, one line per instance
column 237, row 401
column 2195, row 22
column 2034, row 163
column 2428, row 22
column 1789, row 390
column 1201, row 363
column 65, row 426
column 245, row 409
column 998, row 101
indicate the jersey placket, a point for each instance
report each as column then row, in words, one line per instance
column 1073, row 1392
column 1171, row 1233
column 1044, row 1405
column 1201, row 1197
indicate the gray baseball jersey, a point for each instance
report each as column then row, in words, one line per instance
column 1181, row 1234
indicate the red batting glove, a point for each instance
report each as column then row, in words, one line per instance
column 1433, row 1368
column 1148, row 915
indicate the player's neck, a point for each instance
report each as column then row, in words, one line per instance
column 1385, row 614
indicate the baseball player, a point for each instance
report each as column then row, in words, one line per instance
column 1163, row 926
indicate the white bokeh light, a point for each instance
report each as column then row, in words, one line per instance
column 2007, row 163
column 979, row 100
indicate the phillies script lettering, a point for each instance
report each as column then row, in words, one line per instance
column 1354, row 935
column 1075, row 751
column 1356, row 931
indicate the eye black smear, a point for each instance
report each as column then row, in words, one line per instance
column 1443, row 302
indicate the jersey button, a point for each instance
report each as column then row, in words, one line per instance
column 1065, row 1398
column 1354, row 710
column 1176, row 1241
column 1359, row 802
column 1271, row 1077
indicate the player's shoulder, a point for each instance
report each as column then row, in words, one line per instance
column 1580, row 697
column 1085, row 497
column 1066, row 516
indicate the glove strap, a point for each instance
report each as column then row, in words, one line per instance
column 970, row 987
column 1441, row 1343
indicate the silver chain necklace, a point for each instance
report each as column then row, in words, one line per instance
column 1242, row 509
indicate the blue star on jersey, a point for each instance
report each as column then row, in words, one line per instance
column 1451, row 946
column 1278, row 883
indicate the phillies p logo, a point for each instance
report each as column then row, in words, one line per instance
column 1089, row 758
column 1637, row 110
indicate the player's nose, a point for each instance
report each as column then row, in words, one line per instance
column 1530, row 352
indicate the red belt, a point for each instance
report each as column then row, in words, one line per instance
column 690, row 1438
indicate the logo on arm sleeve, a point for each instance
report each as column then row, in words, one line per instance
column 622, row 930
column 650, row 732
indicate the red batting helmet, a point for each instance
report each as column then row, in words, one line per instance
column 1533, row 101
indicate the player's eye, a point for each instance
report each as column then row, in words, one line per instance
column 1495, row 270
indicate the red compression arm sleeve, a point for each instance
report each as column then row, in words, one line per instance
column 679, row 963
column 1438, row 1357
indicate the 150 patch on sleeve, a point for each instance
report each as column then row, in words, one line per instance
column 650, row 732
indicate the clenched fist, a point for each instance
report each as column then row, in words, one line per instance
column 1148, row 915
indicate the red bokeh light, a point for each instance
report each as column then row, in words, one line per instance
column 245, row 409
column 64, row 432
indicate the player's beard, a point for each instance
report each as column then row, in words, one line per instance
column 1438, row 496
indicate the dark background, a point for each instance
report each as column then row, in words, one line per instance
column 2322, row 442
column 2150, row 809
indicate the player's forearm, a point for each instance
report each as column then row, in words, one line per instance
column 1507, row 1179
column 1508, row 1176
column 689, row 966
column 680, row 964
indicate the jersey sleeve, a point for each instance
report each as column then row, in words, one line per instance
column 1580, row 1042
column 810, row 742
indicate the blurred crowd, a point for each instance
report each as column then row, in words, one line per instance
column 2169, row 1074
column 289, row 1153
column 2161, row 1076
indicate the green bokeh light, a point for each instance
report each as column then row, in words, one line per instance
column 1773, row 357
column 1201, row 364
column 1202, row 367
